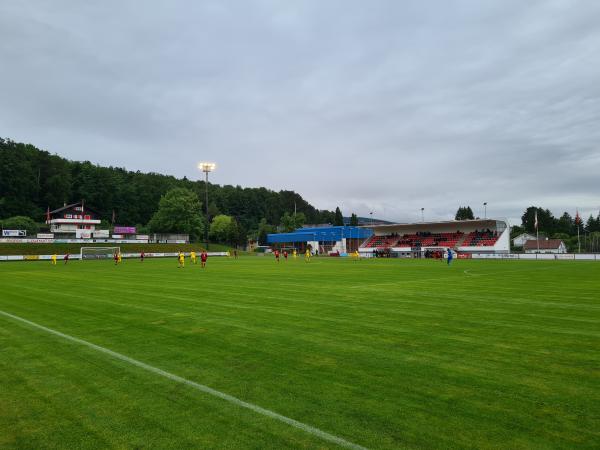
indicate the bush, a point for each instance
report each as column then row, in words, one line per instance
column 21, row 223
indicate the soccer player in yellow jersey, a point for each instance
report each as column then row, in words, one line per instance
column 228, row 254
column 54, row 259
column 181, row 260
column 295, row 254
column 119, row 257
column 193, row 257
column 307, row 255
column 356, row 255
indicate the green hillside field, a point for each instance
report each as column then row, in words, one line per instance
column 251, row 354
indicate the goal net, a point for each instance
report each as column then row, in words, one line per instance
column 98, row 252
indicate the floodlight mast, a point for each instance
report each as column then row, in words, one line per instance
column 206, row 167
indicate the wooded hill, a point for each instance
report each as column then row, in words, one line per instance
column 31, row 180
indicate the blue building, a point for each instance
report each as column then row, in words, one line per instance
column 327, row 239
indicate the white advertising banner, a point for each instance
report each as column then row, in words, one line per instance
column 83, row 234
column 14, row 233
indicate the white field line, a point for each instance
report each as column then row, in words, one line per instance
column 200, row 387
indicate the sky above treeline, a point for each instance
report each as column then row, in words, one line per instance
column 384, row 106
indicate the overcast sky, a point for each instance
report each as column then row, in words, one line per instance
column 384, row 106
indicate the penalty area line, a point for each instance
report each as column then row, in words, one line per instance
column 200, row 387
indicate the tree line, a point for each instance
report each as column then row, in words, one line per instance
column 32, row 180
column 547, row 222
column 563, row 227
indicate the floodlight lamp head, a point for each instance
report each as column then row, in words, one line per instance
column 207, row 166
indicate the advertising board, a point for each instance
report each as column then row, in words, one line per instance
column 14, row 233
column 124, row 230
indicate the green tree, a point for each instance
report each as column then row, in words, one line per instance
column 179, row 211
column 290, row 222
column 223, row 229
column 20, row 223
column 565, row 224
column 546, row 221
column 464, row 213
column 263, row 230
column 338, row 220
column 515, row 231
column 213, row 210
column 287, row 223
column 592, row 224
column 353, row 220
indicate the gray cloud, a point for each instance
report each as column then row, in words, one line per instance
column 384, row 106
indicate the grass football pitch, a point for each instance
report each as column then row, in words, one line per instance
column 381, row 354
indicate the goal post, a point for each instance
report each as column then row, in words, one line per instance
column 98, row 252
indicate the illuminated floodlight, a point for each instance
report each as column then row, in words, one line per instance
column 207, row 166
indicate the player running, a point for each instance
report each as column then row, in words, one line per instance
column 285, row 254
column 193, row 257
column 119, row 257
column 116, row 258
column 449, row 256
column 142, row 256
column 295, row 254
column 203, row 258
column 307, row 256
column 277, row 255
column 53, row 258
column 66, row 258
column 181, row 260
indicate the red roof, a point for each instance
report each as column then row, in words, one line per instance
column 546, row 244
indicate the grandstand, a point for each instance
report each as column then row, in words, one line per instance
column 326, row 239
column 417, row 239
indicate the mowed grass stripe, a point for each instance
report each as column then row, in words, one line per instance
column 436, row 364
column 200, row 387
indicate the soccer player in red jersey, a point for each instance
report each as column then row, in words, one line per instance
column 142, row 256
column 66, row 258
column 277, row 255
column 285, row 254
column 203, row 258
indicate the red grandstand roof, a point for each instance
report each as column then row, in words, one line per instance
column 546, row 244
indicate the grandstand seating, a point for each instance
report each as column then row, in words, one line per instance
column 448, row 240
column 480, row 239
column 416, row 240
column 381, row 241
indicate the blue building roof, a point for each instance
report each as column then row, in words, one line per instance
column 321, row 234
